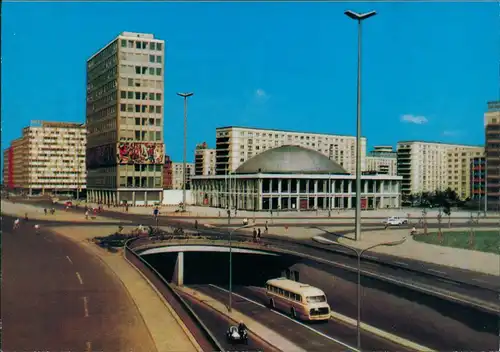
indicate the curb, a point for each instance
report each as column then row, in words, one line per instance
column 170, row 309
column 386, row 335
column 221, row 312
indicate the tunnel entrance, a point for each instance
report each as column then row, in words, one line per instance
column 213, row 267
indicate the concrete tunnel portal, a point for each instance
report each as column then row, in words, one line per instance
column 191, row 265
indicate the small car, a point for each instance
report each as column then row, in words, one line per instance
column 395, row 221
column 68, row 204
column 233, row 335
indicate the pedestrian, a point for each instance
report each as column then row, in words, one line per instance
column 126, row 208
column 258, row 235
column 266, row 227
column 37, row 229
column 45, row 211
column 254, row 235
column 26, row 217
column 17, row 223
column 86, row 214
column 196, row 224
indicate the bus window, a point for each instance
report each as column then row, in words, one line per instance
column 316, row 299
column 299, row 298
column 280, row 291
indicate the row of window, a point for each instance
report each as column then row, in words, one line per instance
column 140, row 70
column 141, row 108
column 140, row 95
column 140, row 182
column 102, row 102
column 101, row 114
column 138, row 44
column 102, row 55
column 284, row 293
column 142, row 122
column 101, row 91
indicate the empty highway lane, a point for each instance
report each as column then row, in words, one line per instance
column 58, row 297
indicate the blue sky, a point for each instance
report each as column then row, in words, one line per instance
column 270, row 65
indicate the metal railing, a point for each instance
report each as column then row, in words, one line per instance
column 178, row 304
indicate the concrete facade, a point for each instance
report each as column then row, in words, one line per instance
column 382, row 160
column 125, row 150
column 178, row 175
column 235, row 145
column 492, row 144
column 264, row 192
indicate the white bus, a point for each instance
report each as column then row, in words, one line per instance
column 302, row 301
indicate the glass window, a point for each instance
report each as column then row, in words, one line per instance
column 151, row 168
column 158, row 109
column 143, row 108
column 137, row 121
column 158, row 135
column 316, row 299
column 151, row 70
column 143, row 135
column 151, row 122
column 157, row 181
column 130, row 95
column 123, row 94
column 151, row 136
column 151, row 58
column 138, row 135
column 158, row 71
column 158, row 121
column 158, row 167
column 124, row 45
column 138, row 45
column 130, row 107
column 138, row 70
column 151, row 109
column 152, row 46
column 151, row 96
column 137, row 168
column 158, row 96
column 123, row 107
column 159, row 46
column 130, row 82
column 137, row 95
column 137, row 108
column 158, row 59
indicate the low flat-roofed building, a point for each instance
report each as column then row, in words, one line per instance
column 293, row 178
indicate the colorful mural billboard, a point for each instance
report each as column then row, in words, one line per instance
column 140, row 153
column 101, row 156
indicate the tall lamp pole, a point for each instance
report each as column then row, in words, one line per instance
column 359, row 253
column 358, row 17
column 230, row 306
column 184, row 171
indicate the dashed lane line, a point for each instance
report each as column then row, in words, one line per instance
column 69, row 259
column 85, row 307
column 79, row 277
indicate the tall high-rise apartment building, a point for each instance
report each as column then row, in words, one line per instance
column 235, row 145
column 459, row 163
column 125, row 150
column 425, row 166
column 178, row 175
column 204, row 160
column 492, row 146
column 48, row 157
column 382, row 160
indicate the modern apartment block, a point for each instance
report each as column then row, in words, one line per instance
column 382, row 160
column 167, row 173
column 177, row 175
column 425, row 166
column 125, row 150
column 492, row 146
column 49, row 157
column 459, row 163
column 204, row 160
column 235, row 145
column 477, row 178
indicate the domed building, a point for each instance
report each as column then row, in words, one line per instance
column 293, row 178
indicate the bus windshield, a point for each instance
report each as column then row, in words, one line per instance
column 316, row 299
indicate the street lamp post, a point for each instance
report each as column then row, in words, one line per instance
column 184, row 171
column 359, row 253
column 358, row 17
column 230, row 307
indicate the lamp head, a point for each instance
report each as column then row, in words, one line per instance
column 185, row 95
column 359, row 16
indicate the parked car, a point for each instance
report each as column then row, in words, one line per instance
column 68, row 204
column 396, row 221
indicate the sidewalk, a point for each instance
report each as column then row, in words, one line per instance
column 167, row 330
column 37, row 213
column 268, row 335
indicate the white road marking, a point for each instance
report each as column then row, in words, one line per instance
column 85, row 307
column 401, row 263
column 480, row 280
column 293, row 320
column 88, row 346
column 79, row 278
column 69, row 259
column 370, row 257
column 437, row 271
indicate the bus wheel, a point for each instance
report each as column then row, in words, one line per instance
column 271, row 303
column 293, row 313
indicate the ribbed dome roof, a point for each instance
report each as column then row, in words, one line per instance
column 290, row 159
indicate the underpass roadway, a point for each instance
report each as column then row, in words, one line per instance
column 332, row 335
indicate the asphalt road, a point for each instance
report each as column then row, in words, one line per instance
column 58, row 297
column 218, row 325
column 311, row 336
column 449, row 278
